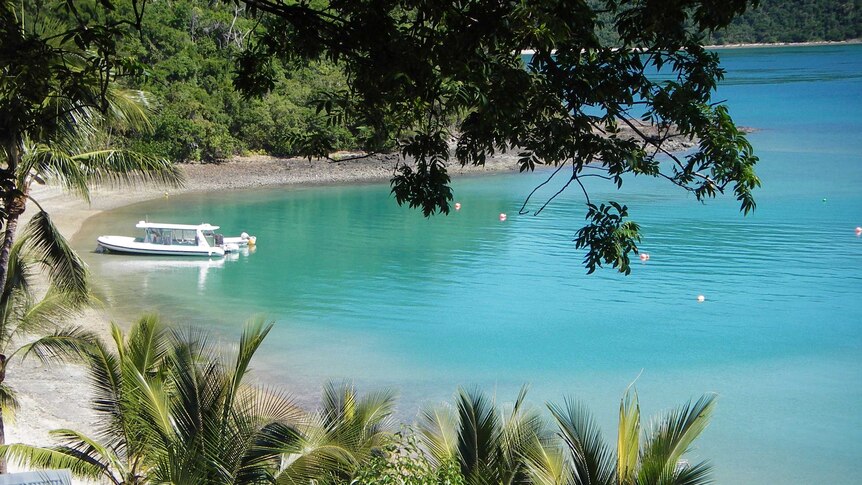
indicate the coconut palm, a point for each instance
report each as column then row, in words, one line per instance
column 23, row 315
column 173, row 411
column 340, row 437
column 656, row 458
column 57, row 98
column 488, row 444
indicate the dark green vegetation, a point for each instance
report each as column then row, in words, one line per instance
column 59, row 106
column 173, row 409
column 432, row 73
column 317, row 77
column 190, row 48
column 795, row 21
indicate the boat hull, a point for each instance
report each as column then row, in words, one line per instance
column 129, row 245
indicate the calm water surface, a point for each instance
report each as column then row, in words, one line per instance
column 363, row 289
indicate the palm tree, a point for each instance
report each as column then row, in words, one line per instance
column 340, row 437
column 56, row 98
column 488, row 444
column 174, row 411
column 654, row 459
column 22, row 315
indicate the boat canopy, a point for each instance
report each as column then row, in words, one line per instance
column 191, row 227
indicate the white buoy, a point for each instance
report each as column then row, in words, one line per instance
column 644, row 257
column 858, row 230
column 701, row 298
column 502, row 216
column 457, row 206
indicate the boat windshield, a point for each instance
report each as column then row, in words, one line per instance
column 210, row 238
column 171, row 237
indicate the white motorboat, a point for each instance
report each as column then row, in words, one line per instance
column 176, row 240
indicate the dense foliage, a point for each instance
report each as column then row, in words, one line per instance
column 188, row 49
column 191, row 46
column 322, row 76
column 434, row 74
column 173, row 409
column 795, row 21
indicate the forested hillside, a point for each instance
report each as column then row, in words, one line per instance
column 190, row 47
column 795, row 21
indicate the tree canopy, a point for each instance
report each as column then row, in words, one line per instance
column 447, row 80
column 605, row 84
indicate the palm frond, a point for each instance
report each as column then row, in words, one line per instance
column 88, row 450
column 16, row 296
column 546, row 465
column 439, row 430
column 478, row 432
column 156, row 401
column 522, row 432
column 18, row 272
column 671, row 438
column 49, row 313
column 374, row 411
column 256, row 329
column 591, row 458
column 106, row 378
column 65, row 344
column 54, row 458
column 118, row 167
column 50, row 163
column 314, row 461
column 698, row 474
column 270, row 404
column 9, row 404
column 146, row 342
column 128, row 109
column 628, row 439
column 66, row 271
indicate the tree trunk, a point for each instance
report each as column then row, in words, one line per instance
column 14, row 203
column 2, row 426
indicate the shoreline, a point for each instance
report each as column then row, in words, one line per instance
column 756, row 45
column 59, row 396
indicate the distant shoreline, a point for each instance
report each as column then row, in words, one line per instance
column 813, row 43
column 757, row 45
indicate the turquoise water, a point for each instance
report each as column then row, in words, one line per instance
column 363, row 289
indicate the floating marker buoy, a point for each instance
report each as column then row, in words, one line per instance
column 824, row 199
column 166, row 195
column 858, row 231
column 701, row 298
column 502, row 216
column 457, row 206
column 644, row 256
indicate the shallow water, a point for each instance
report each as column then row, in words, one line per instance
column 363, row 289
